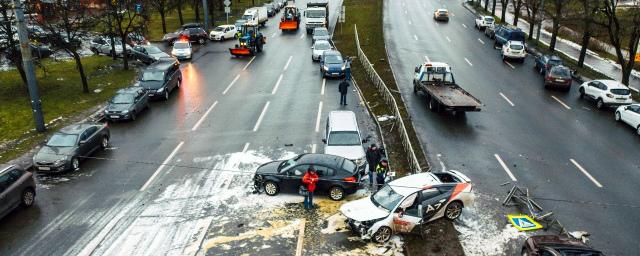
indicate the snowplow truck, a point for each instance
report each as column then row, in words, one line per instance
column 250, row 41
column 290, row 18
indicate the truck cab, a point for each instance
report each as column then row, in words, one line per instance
column 434, row 73
column 317, row 14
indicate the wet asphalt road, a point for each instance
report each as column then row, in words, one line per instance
column 537, row 138
column 175, row 178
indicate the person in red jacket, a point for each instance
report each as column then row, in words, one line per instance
column 309, row 179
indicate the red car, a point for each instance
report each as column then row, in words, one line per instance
column 559, row 77
column 552, row 245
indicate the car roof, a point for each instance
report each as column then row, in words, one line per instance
column 613, row 84
column 331, row 52
column 343, row 121
column 321, row 159
column 5, row 167
column 162, row 64
column 319, row 41
column 130, row 90
column 412, row 183
column 321, row 28
column 76, row 128
column 516, row 42
column 226, row 26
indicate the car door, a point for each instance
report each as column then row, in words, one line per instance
column 293, row 178
column 406, row 216
column 592, row 88
column 327, row 177
column 633, row 116
column 89, row 139
column 433, row 200
column 232, row 32
column 7, row 202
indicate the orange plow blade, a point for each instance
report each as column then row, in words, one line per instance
column 288, row 25
column 240, row 51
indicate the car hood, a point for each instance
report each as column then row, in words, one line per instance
column 152, row 85
column 119, row 107
column 363, row 210
column 159, row 55
column 51, row 154
column 268, row 168
column 321, row 37
column 170, row 35
column 181, row 51
column 349, row 152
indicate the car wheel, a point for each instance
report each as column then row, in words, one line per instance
column 28, row 197
column 524, row 252
column 133, row 116
column 166, row 95
column 453, row 211
column 75, row 164
column 638, row 130
column 271, row 188
column 201, row 41
column 433, row 105
column 382, row 235
column 415, row 89
column 222, row 38
column 599, row 104
column 581, row 90
column 617, row 116
column 336, row 193
column 94, row 50
column 104, row 143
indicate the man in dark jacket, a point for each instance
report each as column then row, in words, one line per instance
column 373, row 158
column 343, row 88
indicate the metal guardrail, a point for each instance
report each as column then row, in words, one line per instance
column 382, row 88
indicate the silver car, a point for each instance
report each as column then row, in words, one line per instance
column 321, row 34
column 17, row 188
column 318, row 48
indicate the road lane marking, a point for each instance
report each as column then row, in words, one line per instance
column 510, row 65
column 405, row 11
column 300, row 238
column 480, row 40
column 264, row 111
column 302, row 36
column 275, row 88
column 161, row 167
column 274, row 34
column 318, row 118
column 465, row 26
column 409, row 22
column 313, row 148
column 288, row 62
column 251, row 60
column 561, row 103
column 246, row 147
column 231, row 84
column 504, row 166
column 427, row 58
column 453, row 15
column 585, row 173
column 468, row 62
column 448, row 39
column 195, row 127
column 324, row 81
column 415, row 37
column 507, row 99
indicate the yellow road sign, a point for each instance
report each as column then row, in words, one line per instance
column 638, row 57
column 523, row 222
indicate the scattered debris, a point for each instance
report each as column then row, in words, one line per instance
column 383, row 118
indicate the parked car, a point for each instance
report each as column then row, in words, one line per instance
column 194, row 35
column 161, row 78
column 545, row 62
column 134, row 39
column 127, row 104
column 37, row 51
column 17, row 188
column 271, row 11
column 507, row 33
column 222, row 32
column 558, row 76
column 342, row 137
column 441, row 15
column 606, row 93
column 490, row 31
column 629, row 114
column 102, row 45
column 405, row 204
column 484, row 21
column 318, row 48
column 72, row 144
column 338, row 176
column 513, row 50
column 192, row 25
column 332, row 64
column 182, row 50
column 148, row 53
column 171, row 37
column 320, row 34
column 555, row 245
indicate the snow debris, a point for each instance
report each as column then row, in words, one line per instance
column 480, row 234
column 383, row 118
column 335, row 223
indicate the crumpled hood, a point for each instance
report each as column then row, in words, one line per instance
column 51, row 154
column 349, row 152
column 363, row 210
column 268, row 168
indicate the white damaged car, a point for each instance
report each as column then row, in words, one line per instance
column 406, row 203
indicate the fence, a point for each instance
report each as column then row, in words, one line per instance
column 414, row 164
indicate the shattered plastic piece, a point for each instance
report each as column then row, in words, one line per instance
column 383, row 118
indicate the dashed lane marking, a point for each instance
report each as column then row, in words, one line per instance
column 324, row 81
column 585, row 173
column 415, row 37
column 505, row 167
column 246, row 147
column 480, row 40
column 318, row 117
column 195, row 127
column 468, row 62
column 161, row 167
column 427, row 58
column 288, row 62
column 448, row 39
column 465, row 26
column 507, row 99
column 561, row 103
column 275, row 88
column 264, row 111
column 231, row 84
column 509, row 64
column 313, row 148
column 250, row 61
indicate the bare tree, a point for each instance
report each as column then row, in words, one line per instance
column 589, row 10
column 517, row 6
column 162, row 6
column 505, row 5
column 179, row 4
column 126, row 19
column 486, row 5
column 532, row 8
column 7, row 43
column 195, row 4
column 493, row 8
column 558, row 5
column 623, row 24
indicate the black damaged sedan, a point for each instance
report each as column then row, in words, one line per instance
column 338, row 176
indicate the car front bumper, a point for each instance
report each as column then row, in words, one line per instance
column 52, row 168
column 333, row 73
column 117, row 116
column 515, row 55
column 617, row 103
column 183, row 57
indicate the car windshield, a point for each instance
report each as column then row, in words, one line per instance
column 442, row 12
column 333, row 59
column 153, row 49
column 437, row 74
column 218, row 29
column 62, row 140
column 153, row 75
column 577, row 252
column 386, row 198
column 554, row 62
column 516, row 47
column 315, row 14
column 181, row 45
column 247, row 17
column 287, row 164
column 344, row 138
column 621, row 91
column 320, row 32
column 323, row 45
column 488, row 19
column 124, row 98
column 560, row 72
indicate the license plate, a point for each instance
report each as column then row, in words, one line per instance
column 335, row 74
column 115, row 116
column 560, row 80
column 620, row 99
column 150, row 94
column 44, row 168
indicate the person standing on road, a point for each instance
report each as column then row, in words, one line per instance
column 381, row 172
column 309, row 179
column 373, row 157
column 343, row 88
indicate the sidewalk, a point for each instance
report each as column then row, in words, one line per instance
column 592, row 60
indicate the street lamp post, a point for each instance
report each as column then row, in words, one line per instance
column 541, row 17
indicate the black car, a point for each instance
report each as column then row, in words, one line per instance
column 148, row 53
column 171, row 37
column 552, row 245
column 505, row 33
column 37, row 51
column 17, row 188
column 195, row 35
column 127, row 104
column 192, row 25
column 338, row 176
column 271, row 11
column 66, row 148
column 545, row 62
column 161, row 78
column 559, row 77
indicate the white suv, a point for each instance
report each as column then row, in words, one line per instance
column 513, row 50
column 606, row 93
column 342, row 137
column 629, row 114
column 484, row 21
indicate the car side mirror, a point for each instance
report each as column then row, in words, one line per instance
column 82, row 142
column 400, row 212
column 324, row 141
column 417, row 69
column 420, row 212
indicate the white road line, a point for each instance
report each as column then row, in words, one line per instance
column 231, row 84
column 302, row 36
column 448, row 39
column 480, row 40
column 195, row 127
column 465, row 26
column 561, row 103
column 509, row 64
column 264, row 110
column 507, row 99
column 288, row 62
column 251, row 60
column 585, row 173
column 504, row 166
column 313, row 148
column 409, row 22
column 246, row 147
column 427, row 58
column 300, row 238
column 164, row 163
column 453, row 15
column 274, row 34
column 415, row 37
column 324, row 81
column 468, row 62
column 405, row 11
column 275, row 88
column 318, row 118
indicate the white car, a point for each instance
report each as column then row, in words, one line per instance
column 513, row 50
column 222, row 32
column 606, row 93
column 629, row 114
column 102, row 45
column 318, row 48
column 182, row 50
column 404, row 204
column 342, row 137
column 484, row 21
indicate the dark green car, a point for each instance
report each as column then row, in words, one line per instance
column 127, row 104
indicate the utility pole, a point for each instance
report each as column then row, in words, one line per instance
column 541, row 16
column 205, row 7
column 27, row 63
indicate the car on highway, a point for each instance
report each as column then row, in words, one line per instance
column 606, row 93
column 558, row 77
column 17, row 188
column 556, row 245
column 404, row 204
column 194, row 35
column 68, row 147
column 148, row 53
column 271, row 10
column 490, row 31
column 182, row 50
column 342, row 137
column 170, row 38
column 484, row 21
column 544, row 62
column 506, row 33
column 127, row 104
column 318, row 48
column 320, row 34
column 332, row 64
column 629, row 114
column 102, row 45
column 223, row 32
column 441, row 15
column 161, row 78
column 513, row 50
column 339, row 176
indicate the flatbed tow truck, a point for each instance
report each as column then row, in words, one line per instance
column 436, row 81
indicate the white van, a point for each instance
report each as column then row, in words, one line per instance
column 342, row 137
